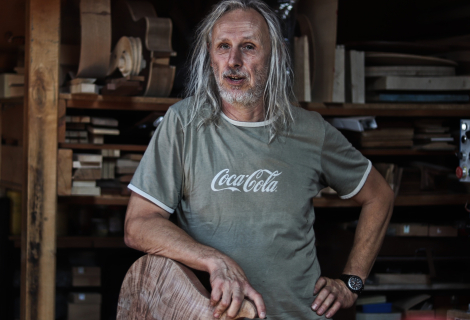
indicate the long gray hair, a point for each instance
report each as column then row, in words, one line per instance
column 278, row 93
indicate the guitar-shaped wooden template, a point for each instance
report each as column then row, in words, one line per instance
column 138, row 19
column 157, row 288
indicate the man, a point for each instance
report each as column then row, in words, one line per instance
column 240, row 164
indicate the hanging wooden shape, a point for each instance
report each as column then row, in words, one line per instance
column 95, row 47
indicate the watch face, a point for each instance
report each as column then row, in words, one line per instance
column 355, row 283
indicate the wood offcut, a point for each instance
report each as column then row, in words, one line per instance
column 160, row 288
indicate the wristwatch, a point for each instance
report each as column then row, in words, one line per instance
column 354, row 283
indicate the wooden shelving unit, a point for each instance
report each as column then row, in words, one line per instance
column 92, row 101
column 82, row 242
column 389, row 109
column 87, row 146
column 416, row 287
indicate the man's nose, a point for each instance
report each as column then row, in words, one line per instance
column 235, row 58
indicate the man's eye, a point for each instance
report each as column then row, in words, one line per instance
column 249, row 47
column 224, row 46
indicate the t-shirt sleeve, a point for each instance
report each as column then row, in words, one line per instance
column 344, row 168
column 159, row 175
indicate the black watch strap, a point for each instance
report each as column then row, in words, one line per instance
column 354, row 283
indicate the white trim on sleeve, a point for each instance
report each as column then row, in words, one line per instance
column 149, row 197
column 361, row 183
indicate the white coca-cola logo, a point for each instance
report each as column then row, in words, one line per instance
column 254, row 182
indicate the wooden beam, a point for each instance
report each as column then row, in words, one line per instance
column 38, row 247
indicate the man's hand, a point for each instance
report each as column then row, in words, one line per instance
column 229, row 287
column 332, row 295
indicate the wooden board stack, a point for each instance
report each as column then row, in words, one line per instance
column 432, row 134
column 86, row 129
column 394, row 137
column 87, row 169
column 109, row 163
column 11, row 85
column 394, row 77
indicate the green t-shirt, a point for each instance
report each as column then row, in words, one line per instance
column 251, row 199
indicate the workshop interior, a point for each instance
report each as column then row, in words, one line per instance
column 84, row 84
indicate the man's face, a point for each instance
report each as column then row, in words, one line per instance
column 239, row 54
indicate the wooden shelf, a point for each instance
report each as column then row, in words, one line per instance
column 11, row 185
column 406, row 152
column 14, row 100
column 324, row 202
column 82, row 242
column 123, row 147
column 405, row 287
column 389, row 109
column 401, row 200
column 109, row 200
column 92, row 101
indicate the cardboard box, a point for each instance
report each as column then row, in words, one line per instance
column 86, row 277
column 81, row 311
column 442, row 231
column 408, row 229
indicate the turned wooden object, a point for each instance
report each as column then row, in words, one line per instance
column 160, row 288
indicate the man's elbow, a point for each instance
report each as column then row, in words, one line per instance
column 131, row 234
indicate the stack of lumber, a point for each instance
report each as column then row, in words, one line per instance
column 383, row 137
column 109, row 163
column 86, row 129
column 128, row 163
column 101, row 127
column 11, row 85
column 432, row 134
column 396, row 77
column 75, row 129
column 86, row 170
column 83, row 86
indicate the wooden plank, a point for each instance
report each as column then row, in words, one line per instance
column 38, row 248
column 355, row 77
column 95, row 48
column 457, row 83
column 64, row 172
column 12, row 126
column 84, row 146
column 322, row 15
column 302, row 88
column 61, row 127
column 409, row 71
column 117, row 102
column 389, row 109
column 12, row 164
column 339, row 85
column 401, row 200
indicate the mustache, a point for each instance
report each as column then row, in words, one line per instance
column 232, row 72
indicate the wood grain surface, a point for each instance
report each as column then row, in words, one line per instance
column 159, row 288
column 38, row 243
column 95, row 48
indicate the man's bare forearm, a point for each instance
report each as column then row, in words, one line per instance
column 148, row 229
column 372, row 226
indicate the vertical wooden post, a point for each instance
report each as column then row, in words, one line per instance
column 38, row 245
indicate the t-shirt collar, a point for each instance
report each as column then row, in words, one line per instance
column 247, row 124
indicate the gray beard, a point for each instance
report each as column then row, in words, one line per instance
column 250, row 97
